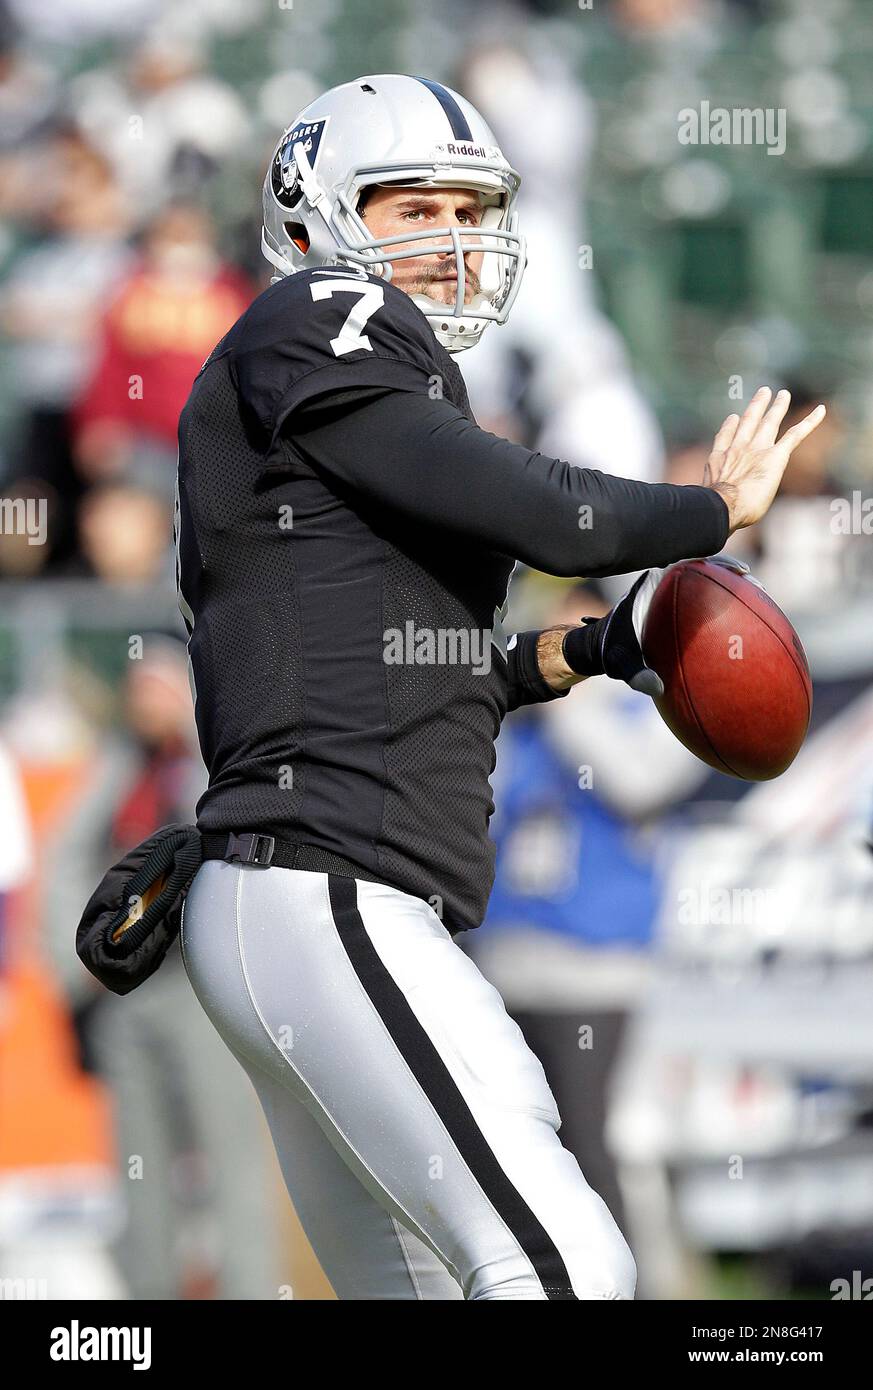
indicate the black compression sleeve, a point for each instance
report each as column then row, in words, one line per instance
column 425, row 459
column 526, row 683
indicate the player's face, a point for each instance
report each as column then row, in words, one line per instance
column 391, row 211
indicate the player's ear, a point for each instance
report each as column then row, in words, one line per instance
column 363, row 200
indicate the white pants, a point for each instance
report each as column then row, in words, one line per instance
column 415, row 1129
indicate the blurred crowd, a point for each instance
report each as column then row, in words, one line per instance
column 711, row 1063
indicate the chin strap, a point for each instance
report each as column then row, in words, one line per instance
column 452, row 337
column 454, row 344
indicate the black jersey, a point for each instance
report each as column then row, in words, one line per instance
column 348, row 674
column 342, row 570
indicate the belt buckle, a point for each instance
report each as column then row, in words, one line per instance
column 251, row 849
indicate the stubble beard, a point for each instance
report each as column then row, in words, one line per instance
column 427, row 277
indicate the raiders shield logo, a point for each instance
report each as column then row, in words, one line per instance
column 284, row 172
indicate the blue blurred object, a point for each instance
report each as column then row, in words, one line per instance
column 565, row 862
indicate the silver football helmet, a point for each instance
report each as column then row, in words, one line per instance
column 393, row 129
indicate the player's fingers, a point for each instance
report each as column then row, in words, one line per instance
column 791, row 438
column 769, row 427
column 726, row 431
column 751, row 417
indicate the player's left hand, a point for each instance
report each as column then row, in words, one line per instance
column 616, row 640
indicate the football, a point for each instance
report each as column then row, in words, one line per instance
column 736, row 680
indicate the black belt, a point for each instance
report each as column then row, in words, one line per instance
column 265, row 851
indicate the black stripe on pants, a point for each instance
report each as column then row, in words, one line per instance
column 438, row 1085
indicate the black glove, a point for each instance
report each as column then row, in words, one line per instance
column 612, row 645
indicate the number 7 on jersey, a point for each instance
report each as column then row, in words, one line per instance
column 370, row 298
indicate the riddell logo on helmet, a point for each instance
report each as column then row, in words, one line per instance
column 472, row 151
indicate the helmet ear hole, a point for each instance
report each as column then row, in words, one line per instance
column 297, row 233
column 364, row 197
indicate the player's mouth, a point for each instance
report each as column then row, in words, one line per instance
column 432, row 277
column 451, row 278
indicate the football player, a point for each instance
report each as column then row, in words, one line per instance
column 346, row 535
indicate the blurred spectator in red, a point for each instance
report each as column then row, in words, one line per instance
column 162, row 325
column 50, row 308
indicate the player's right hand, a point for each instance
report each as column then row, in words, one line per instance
column 746, row 463
column 617, row 638
column 613, row 644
